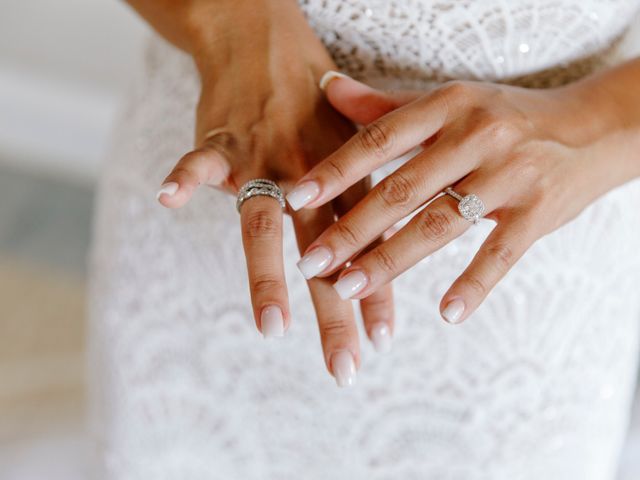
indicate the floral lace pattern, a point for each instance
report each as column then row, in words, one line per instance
column 537, row 384
column 418, row 41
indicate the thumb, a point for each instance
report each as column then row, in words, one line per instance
column 359, row 102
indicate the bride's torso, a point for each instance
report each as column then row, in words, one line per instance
column 429, row 40
column 535, row 385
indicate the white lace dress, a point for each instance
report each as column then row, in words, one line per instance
column 536, row 385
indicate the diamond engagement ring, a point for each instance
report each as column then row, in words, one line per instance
column 470, row 206
column 259, row 186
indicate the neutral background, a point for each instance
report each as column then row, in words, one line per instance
column 64, row 68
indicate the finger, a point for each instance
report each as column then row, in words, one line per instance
column 379, row 142
column 395, row 197
column 430, row 229
column 344, row 202
column 207, row 164
column 336, row 321
column 359, row 102
column 378, row 317
column 499, row 252
column 261, row 220
column 377, row 309
column 338, row 332
column 312, row 262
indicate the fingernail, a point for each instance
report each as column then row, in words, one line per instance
column 453, row 311
column 303, row 194
column 169, row 188
column 328, row 76
column 381, row 337
column 343, row 368
column 315, row 262
column 272, row 322
column 352, row 283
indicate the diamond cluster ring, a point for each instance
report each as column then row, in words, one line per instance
column 470, row 206
column 259, row 186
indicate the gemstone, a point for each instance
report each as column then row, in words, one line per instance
column 471, row 207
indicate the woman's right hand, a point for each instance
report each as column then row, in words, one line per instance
column 260, row 64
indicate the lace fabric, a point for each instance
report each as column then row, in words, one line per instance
column 536, row 385
column 418, row 41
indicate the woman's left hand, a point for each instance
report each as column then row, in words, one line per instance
column 536, row 158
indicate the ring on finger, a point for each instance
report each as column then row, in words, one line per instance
column 259, row 186
column 470, row 206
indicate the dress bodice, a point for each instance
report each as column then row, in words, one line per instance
column 434, row 40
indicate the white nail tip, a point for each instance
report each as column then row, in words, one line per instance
column 350, row 284
column 314, row 262
column 343, row 368
column 381, row 337
column 453, row 311
column 328, row 76
column 272, row 322
column 169, row 188
column 303, row 194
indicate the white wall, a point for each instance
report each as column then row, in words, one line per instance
column 64, row 66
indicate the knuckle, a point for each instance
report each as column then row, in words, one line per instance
column 435, row 224
column 185, row 173
column 502, row 254
column 378, row 304
column 455, row 91
column 260, row 223
column 191, row 157
column 377, row 137
column 530, row 170
column 384, row 260
column 395, row 190
column 493, row 127
column 336, row 169
column 502, row 130
column 543, row 183
column 347, row 233
column 334, row 327
column 265, row 284
column 223, row 140
column 475, row 284
column 527, row 169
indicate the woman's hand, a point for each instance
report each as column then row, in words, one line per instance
column 535, row 158
column 261, row 114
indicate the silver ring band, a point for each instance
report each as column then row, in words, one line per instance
column 259, row 186
column 470, row 206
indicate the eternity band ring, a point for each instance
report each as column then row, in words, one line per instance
column 259, row 186
column 470, row 206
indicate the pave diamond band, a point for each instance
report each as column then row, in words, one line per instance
column 259, row 186
column 470, row 206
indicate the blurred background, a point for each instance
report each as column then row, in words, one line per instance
column 65, row 67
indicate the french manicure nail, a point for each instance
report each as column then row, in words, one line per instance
column 453, row 311
column 328, row 76
column 303, row 194
column 169, row 188
column 272, row 322
column 315, row 262
column 381, row 337
column 343, row 368
column 352, row 283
